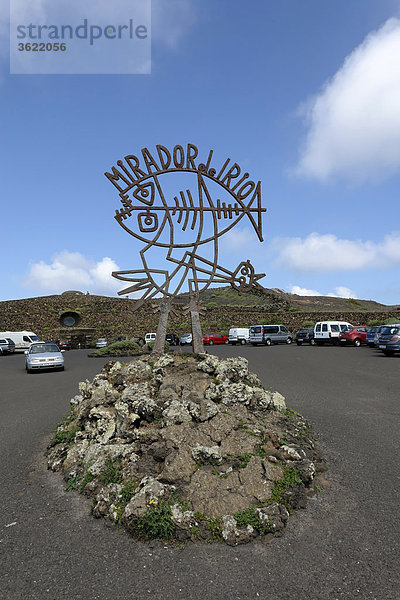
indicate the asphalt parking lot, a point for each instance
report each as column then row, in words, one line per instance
column 344, row 546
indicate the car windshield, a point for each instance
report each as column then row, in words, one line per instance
column 390, row 330
column 40, row 348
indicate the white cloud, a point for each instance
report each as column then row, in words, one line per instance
column 300, row 291
column 343, row 292
column 354, row 122
column 71, row 270
column 340, row 292
column 326, row 252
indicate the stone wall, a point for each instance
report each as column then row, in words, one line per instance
column 101, row 316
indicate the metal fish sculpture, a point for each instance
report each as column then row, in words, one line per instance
column 183, row 222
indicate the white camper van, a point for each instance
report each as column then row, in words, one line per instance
column 239, row 335
column 21, row 339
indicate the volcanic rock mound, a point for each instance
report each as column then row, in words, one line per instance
column 186, row 447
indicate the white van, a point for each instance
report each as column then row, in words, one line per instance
column 21, row 339
column 327, row 332
column 239, row 335
column 149, row 337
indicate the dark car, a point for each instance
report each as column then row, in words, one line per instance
column 371, row 332
column 64, row 345
column 355, row 335
column 172, row 339
column 7, row 346
column 305, row 336
column 389, row 339
column 215, row 338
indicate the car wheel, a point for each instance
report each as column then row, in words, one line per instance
column 289, row 341
column 211, row 343
column 243, row 342
column 357, row 342
column 312, row 342
column 226, row 342
column 299, row 343
column 268, row 342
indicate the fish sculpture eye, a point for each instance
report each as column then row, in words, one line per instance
column 148, row 221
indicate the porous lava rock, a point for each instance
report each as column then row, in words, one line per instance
column 186, row 447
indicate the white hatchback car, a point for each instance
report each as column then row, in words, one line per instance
column 44, row 355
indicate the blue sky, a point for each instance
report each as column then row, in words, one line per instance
column 303, row 95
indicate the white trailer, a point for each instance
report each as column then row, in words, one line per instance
column 21, row 339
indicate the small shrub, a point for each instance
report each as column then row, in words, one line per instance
column 111, row 472
column 126, row 494
column 157, row 522
column 291, row 476
column 244, row 460
column 88, row 477
column 249, row 516
column 65, row 436
column 307, row 324
column 122, row 348
column 214, row 526
column 392, row 321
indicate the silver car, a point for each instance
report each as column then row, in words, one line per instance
column 186, row 338
column 7, row 346
column 44, row 355
column 101, row 343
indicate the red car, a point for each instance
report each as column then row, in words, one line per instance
column 64, row 345
column 354, row 335
column 215, row 338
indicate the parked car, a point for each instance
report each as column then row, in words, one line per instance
column 327, row 332
column 389, row 339
column 186, row 338
column 101, row 343
column 138, row 340
column 42, row 355
column 239, row 335
column 215, row 338
column 7, row 346
column 269, row 334
column 172, row 339
column 64, row 345
column 370, row 339
column 150, row 337
column 377, row 334
column 356, row 335
column 305, row 336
